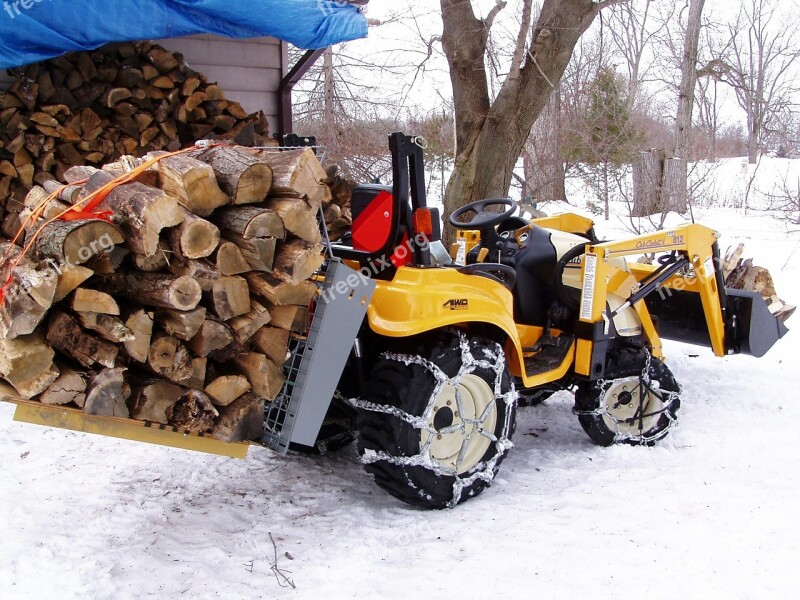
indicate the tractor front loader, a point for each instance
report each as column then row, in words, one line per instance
column 427, row 353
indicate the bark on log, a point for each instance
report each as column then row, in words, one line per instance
column 298, row 173
column 142, row 211
column 297, row 260
column 155, row 289
column 27, row 298
column 65, row 335
column 74, row 242
column 27, row 364
column 242, row 176
column 202, row 271
column 106, row 326
column 241, row 420
column 250, row 221
column 107, row 394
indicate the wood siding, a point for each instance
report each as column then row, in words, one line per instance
column 248, row 71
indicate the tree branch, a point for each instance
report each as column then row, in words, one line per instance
column 489, row 20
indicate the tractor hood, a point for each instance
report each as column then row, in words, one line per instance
column 36, row 30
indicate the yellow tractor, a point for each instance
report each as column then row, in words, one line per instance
column 425, row 354
column 517, row 310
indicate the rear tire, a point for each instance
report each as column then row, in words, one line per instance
column 436, row 424
column 637, row 403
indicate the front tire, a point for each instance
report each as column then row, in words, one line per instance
column 636, row 404
column 436, row 423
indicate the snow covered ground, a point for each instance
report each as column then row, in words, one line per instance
column 710, row 513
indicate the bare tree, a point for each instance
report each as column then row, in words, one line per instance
column 491, row 132
column 760, row 66
column 683, row 120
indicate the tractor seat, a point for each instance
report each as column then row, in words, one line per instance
column 535, row 263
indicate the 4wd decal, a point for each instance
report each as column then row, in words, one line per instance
column 457, row 304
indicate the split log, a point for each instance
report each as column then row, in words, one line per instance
column 194, row 413
column 212, row 335
column 155, row 289
column 140, row 323
column 27, row 298
column 192, row 182
column 27, row 364
column 273, row 342
column 265, row 377
column 182, row 324
column 230, row 297
column 199, row 370
column 194, row 238
column 107, row 394
column 74, row 242
column 242, row 176
column 297, row 217
column 280, row 292
column 242, row 420
column 70, row 277
column 88, row 300
column 250, row 221
column 227, row 388
column 291, row 318
column 298, row 173
column 106, row 326
column 153, row 400
column 245, row 326
column 66, row 336
column 230, row 260
column 68, row 388
column 142, row 211
column 297, row 260
column 169, row 358
column 258, row 252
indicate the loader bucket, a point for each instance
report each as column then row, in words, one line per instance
column 749, row 326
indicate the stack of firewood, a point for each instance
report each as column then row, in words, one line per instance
column 180, row 308
column 90, row 108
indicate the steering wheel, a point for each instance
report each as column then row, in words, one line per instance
column 494, row 271
column 484, row 219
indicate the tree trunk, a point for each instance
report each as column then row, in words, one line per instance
column 648, row 173
column 490, row 136
column 683, row 122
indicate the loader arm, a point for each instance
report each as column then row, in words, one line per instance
column 729, row 321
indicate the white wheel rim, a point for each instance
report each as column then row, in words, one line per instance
column 462, row 424
column 624, row 406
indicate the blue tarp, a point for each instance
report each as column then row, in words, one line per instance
column 34, row 30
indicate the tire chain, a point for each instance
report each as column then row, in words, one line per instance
column 667, row 398
column 494, row 361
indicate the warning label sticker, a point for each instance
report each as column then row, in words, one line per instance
column 589, row 276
